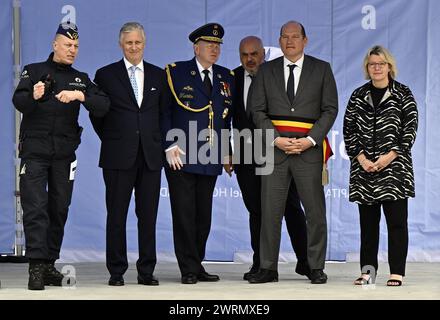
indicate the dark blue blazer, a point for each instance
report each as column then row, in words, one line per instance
column 186, row 82
column 127, row 126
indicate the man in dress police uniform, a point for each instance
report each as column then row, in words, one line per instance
column 49, row 96
column 202, row 100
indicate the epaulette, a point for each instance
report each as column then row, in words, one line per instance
column 172, row 64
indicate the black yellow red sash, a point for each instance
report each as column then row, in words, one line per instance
column 302, row 125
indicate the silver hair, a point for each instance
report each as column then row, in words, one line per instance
column 131, row 26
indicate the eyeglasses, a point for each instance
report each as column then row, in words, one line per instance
column 377, row 64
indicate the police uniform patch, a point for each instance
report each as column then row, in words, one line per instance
column 24, row 74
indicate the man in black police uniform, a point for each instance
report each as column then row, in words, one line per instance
column 49, row 96
column 202, row 93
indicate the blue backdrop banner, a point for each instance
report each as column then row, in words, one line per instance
column 7, row 132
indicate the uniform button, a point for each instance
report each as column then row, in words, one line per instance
column 207, row 138
column 210, row 102
column 137, row 131
column 293, row 109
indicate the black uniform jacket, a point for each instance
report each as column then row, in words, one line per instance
column 49, row 128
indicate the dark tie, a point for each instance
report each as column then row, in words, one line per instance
column 207, row 82
column 291, row 83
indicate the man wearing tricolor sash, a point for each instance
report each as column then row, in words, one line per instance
column 295, row 97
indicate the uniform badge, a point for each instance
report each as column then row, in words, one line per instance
column 187, row 96
column 225, row 89
column 219, row 75
column 188, row 88
column 24, row 74
column 193, row 73
column 225, row 113
column 77, row 79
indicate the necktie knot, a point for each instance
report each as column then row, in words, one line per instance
column 251, row 76
column 291, row 67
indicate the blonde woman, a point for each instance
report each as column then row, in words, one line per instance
column 380, row 126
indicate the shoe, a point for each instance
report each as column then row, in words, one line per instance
column 52, row 277
column 116, row 281
column 394, row 283
column 206, row 277
column 264, row 275
column 36, row 271
column 318, row 276
column 148, row 280
column 303, row 269
column 363, row 280
column 189, row 278
column 254, row 270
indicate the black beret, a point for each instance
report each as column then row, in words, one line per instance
column 69, row 30
column 212, row 32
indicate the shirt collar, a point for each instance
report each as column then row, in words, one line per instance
column 128, row 65
column 200, row 67
column 299, row 62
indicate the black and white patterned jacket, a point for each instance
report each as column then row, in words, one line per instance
column 392, row 125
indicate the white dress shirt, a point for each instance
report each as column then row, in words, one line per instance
column 202, row 75
column 139, row 74
column 246, row 86
column 296, row 71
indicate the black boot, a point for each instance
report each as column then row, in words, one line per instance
column 36, row 271
column 52, row 277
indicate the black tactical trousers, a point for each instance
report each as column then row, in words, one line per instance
column 46, row 191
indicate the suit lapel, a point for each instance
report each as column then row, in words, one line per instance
column 305, row 75
column 147, row 83
column 239, row 90
column 278, row 73
column 122, row 74
column 216, row 78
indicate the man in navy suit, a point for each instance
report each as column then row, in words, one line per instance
column 202, row 100
column 132, row 152
column 252, row 56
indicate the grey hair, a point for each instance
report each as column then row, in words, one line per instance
column 129, row 27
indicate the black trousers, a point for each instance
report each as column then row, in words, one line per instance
column 119, row 188
column 191, row 207
column 396, row 214
column 46, row 191
column 250, row 186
